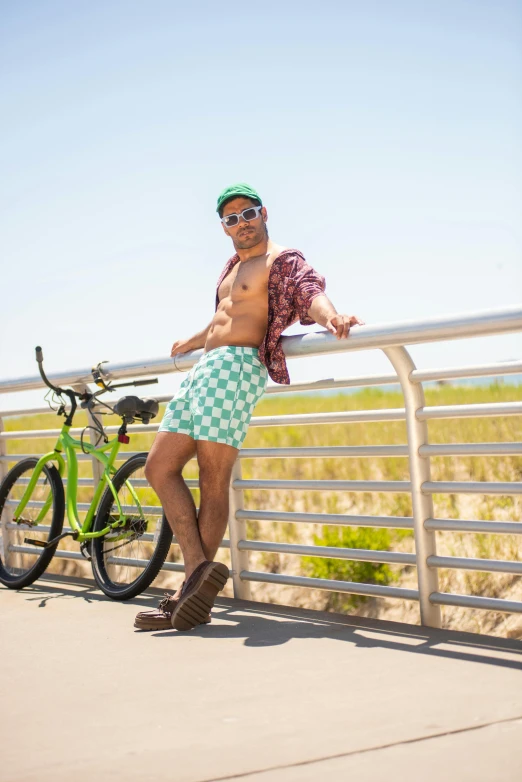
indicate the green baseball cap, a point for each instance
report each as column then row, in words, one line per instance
column 235, row 191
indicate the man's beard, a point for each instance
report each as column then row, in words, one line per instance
column 250, row 237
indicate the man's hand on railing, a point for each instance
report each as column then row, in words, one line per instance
column 340, row 324
column 181, row 346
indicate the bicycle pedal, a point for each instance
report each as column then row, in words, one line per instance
column 69, row 534
column 85, row 549
column 39, row 543
column 49, row 543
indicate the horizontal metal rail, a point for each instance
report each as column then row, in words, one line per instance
column 325, row 452
column 351, row 587
column 20, row 457
column 82, row 457
column 150, row 510
column 417, row 376
column 472, row 487
column 67, row 554
column 355, row 486
column 381, row 336
column 80, row 481
column 78, row 556
column 484, row 527
column 143, row 563
column 330, row 552
column 490, row 410
column 472, row 601
column 400, row 487
column 472, row 449
column 60, row 553
column 477, row 370
column 480, row 565
column 347, row 416
column 340, row 451
column 147, row 537
column 305, row 419
column 25, row 411
column 39, row 434
column 331, row 519
column 328, row 519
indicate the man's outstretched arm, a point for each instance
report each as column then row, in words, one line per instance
column 313, row 305
column 324, row 313
column 195, row 342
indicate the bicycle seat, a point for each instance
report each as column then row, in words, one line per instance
column 132, row 407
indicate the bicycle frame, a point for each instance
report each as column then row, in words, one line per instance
column 70, row 445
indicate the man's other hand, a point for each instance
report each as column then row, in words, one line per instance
column 181, row 346
column 340, row 324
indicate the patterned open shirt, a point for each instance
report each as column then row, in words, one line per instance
column 292, row 286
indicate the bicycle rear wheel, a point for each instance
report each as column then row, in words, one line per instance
column 21, row 561
column 127, row 560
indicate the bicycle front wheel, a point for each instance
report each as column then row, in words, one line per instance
column 127, row 560
column 23, row 557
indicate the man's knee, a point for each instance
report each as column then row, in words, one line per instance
column 157, row 471
column 167, row 457
column 150, row 470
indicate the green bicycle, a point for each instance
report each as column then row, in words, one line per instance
column 125, row 534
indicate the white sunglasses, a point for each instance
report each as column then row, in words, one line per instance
column 247, row 214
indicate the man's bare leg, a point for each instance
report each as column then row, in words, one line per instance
column 169, row 454
column 199, row 535
column 215, row 461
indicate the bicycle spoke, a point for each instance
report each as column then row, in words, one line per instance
column 133, row 551
column 23, row 535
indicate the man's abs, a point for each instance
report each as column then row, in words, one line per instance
column 242, row 314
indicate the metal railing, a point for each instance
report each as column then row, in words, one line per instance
column 392, row 339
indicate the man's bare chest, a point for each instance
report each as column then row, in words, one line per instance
column 247, row 279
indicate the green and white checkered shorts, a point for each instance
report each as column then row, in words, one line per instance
column 216, row 399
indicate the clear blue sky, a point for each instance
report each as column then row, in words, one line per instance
column 385, row 138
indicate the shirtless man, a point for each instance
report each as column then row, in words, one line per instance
column 262, row 290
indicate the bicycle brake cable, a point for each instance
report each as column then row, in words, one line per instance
column 56, row 400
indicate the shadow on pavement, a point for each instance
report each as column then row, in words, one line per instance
column 261, row 625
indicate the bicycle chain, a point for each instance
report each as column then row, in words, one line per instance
column 125, row 543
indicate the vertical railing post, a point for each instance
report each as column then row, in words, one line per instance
column 237, row 532
column 425, row 543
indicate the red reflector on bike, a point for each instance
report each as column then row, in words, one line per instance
column 123, row 438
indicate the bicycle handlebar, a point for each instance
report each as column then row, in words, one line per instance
column 39, row 358
column 68, row 392
column 87, row 397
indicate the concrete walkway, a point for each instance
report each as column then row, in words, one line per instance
column 263, row 694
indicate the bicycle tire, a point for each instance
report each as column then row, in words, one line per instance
column 105, row 567
column 12, row 485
